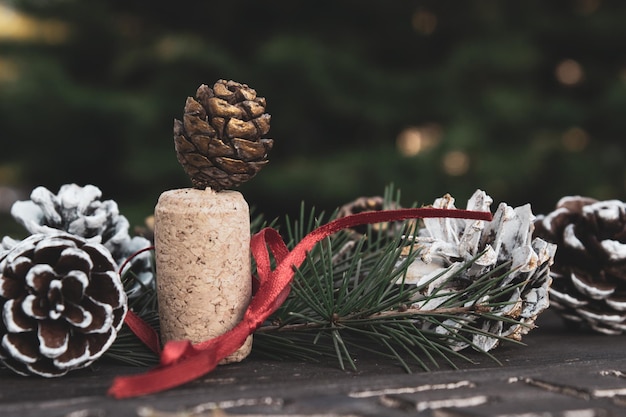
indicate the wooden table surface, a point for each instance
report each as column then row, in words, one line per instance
column 558, row 373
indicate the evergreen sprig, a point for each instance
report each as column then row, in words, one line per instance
column 349, row 296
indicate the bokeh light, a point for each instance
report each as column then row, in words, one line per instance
column 456, row 163
column 413, row 140
column 575, row 139
column 569, row 72
column 424, row 21
column 18, row 26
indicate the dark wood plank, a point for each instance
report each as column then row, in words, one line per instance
column 559, row 373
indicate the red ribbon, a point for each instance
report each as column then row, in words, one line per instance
column 143, row 331
column 182, row 361
column 136, row 324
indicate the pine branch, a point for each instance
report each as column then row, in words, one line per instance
column 349, row 295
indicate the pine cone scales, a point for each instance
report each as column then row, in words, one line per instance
column 219, row 141
column 79, row 211
column 369, row 204
column 590, row 265
column 446, row 245
column 62, row 304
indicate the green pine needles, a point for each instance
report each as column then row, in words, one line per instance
column 349, row 296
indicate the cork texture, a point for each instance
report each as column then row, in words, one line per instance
column 202, row 243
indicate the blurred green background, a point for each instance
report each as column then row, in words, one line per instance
column 525, row 100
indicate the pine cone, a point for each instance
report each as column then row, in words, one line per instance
column 79, row 211
column 589, row 272
column 219, row 142
column 368, row 204
column 378, row 231
column 445, row 246
column 62, row 303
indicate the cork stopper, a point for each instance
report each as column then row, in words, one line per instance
column 202, row 241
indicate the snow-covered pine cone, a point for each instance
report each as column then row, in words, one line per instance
column 589, row 271
column 445, row 245
column 79, row 211
column 220, row 140
column 62, row 304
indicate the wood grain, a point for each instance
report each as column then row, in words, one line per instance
column 560, row 373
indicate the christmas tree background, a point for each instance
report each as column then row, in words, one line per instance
column 522, row 99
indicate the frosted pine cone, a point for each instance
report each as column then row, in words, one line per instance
column 220, row 141
column 62, row 304
column 79, row 211
column 590, row 265
column 446, row 245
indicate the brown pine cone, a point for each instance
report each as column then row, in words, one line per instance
column 62, row 304
column 589, row 273
column 367, row 204
column 219, row 142
column 378, row 231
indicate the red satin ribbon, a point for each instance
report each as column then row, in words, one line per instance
column 143, row 331
column 136, row 324
column 182, row 361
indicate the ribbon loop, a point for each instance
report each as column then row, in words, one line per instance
column 176, row 351
column 258, row 247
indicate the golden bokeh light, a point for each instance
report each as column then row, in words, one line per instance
column 424, row 21
column 456, row 163
column 20, row 27
column 8, row 70
column 575, row 139
column 415, row 139
column 587, row 7
column 569, row 72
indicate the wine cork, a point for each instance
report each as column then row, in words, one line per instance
column 202, row 245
